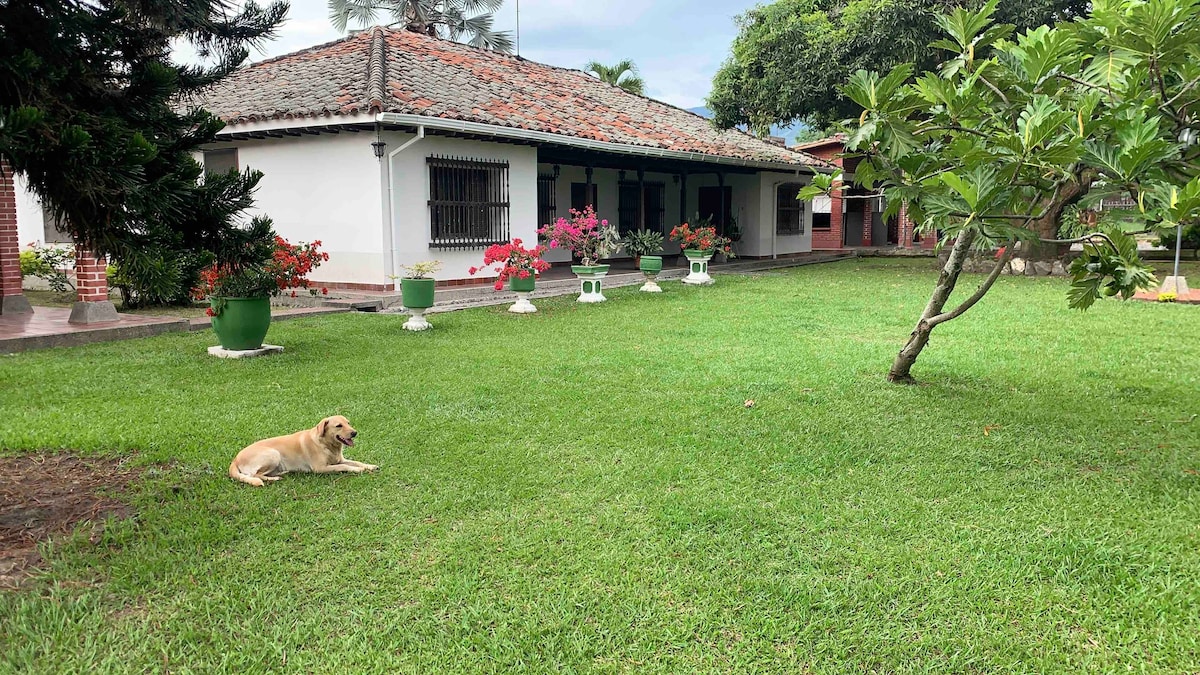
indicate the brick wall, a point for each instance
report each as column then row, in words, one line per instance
column 91, row 284
column 10, row 247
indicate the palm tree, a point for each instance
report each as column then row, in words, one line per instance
column 623, row 75
column 451, row 19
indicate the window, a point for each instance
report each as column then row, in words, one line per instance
column 789, row 211
column 468, row 202
column 821, row 207
column 579, row 197
column 221, row 161
column 547, row 199
column 54, row 231
column 629, row 211
column 711, row 198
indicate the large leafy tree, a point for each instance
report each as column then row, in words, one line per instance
column 623, row 74
column 453, row 19
column 791, row 56
column 987, row 147
column 102, row 123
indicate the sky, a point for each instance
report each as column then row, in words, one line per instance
column 677, row 44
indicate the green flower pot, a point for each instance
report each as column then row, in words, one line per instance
column 519, row 285
column 696, row 253
column 241, row 323
column 417, row 293
column 651, row 264
column 582, row 270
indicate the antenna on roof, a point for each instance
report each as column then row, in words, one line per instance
column 518, row 27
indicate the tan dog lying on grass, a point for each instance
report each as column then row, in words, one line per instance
column 316, row 450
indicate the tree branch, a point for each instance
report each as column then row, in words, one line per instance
column 979, row 292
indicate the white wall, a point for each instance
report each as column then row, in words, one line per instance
column 410, row 196
column 29, row 215
column 325, row 188
column 760, row 240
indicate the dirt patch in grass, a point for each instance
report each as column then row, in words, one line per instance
column 47, row 496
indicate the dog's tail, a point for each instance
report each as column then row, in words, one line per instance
column 235, row 472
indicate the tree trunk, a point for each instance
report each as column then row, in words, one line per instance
column 1047, row 227
column 947, row 280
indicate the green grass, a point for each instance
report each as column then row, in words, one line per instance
column 582, row 490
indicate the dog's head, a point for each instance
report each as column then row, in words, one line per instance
column 336, row 431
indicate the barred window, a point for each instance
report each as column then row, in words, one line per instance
column 547, row 200
column 789, row 211
column 822, row 206
column 468, row 202
column 628, row 208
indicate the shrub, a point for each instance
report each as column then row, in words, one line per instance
column 1191, row 239
column 639, row 243
column 49, row 263
column 266, row 265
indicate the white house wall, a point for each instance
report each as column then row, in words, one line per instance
column 762, row 241
column 325, row 188
column 30, row 226
column 410, row 198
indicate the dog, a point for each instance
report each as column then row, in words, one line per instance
column 316, row 450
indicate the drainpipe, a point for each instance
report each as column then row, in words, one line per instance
column 390, row 207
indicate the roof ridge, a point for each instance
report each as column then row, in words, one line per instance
column 323, row 45
column 376, row 70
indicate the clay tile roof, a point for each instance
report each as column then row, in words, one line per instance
column 397, row 71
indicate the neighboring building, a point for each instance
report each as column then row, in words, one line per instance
column 846, row 223
column 476, row 147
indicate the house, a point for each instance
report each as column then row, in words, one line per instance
column 858, row 221
column 393, row 147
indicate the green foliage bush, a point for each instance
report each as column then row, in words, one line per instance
column 49, row 263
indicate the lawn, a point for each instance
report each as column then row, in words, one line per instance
column 584, row 490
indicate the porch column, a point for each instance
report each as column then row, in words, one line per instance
column 683, row 216
column 641, row 199
column 904, row 227
column 12, row 300
column 837, row 231
column 721, row 213
column 91, row 286
column 587, row 191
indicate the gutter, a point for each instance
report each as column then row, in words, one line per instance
column 390, row 207
column 421, row 121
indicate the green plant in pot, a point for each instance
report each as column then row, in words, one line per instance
column 645, row 247
column 642, row 242
column 252, row 265
column 417, row 288
column 698, row 245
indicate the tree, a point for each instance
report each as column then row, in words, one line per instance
column 985, row 148
column 451, row 19
column 791, row 56
column 103, row 124
column 623, row 74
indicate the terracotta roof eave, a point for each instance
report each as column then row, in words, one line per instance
column 804, row 161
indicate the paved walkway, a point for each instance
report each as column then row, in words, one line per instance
column 48, row 327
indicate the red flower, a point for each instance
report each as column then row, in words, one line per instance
column 209, row 311
column 324, row 291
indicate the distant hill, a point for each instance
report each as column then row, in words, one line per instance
column 784, row 132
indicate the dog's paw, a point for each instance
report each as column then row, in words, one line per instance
column 370, row 467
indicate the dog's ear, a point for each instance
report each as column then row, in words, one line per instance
column 322, row 427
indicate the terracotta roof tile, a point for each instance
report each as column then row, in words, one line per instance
column 383, row 70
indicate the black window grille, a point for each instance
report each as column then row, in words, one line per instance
column 580, row 199
column 628, row 209
column 468, row 202
column 547, row 201
column 789, row 211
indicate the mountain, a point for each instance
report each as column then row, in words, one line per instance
column 783, row 132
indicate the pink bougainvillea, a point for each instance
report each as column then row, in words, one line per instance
column 584, row 234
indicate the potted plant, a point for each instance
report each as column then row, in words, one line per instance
column 251, row 267
column 645, row 247
column 589, row 238
column 734, row 233
column 698, row 245
column 517, row 265
column 642, row 242
column 417, row 288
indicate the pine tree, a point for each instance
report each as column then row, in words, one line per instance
column 103, row 125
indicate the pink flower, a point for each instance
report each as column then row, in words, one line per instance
column 499, row 285
column 473, row 270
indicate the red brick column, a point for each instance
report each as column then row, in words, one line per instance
column 91, row 287
column 867, row 224
column 12, row 300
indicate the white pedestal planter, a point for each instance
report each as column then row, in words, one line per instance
column 651, row 286
column 417, row 320
column 651, row 266
column 590, row 282
column 698, row 268
column 522, row 305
